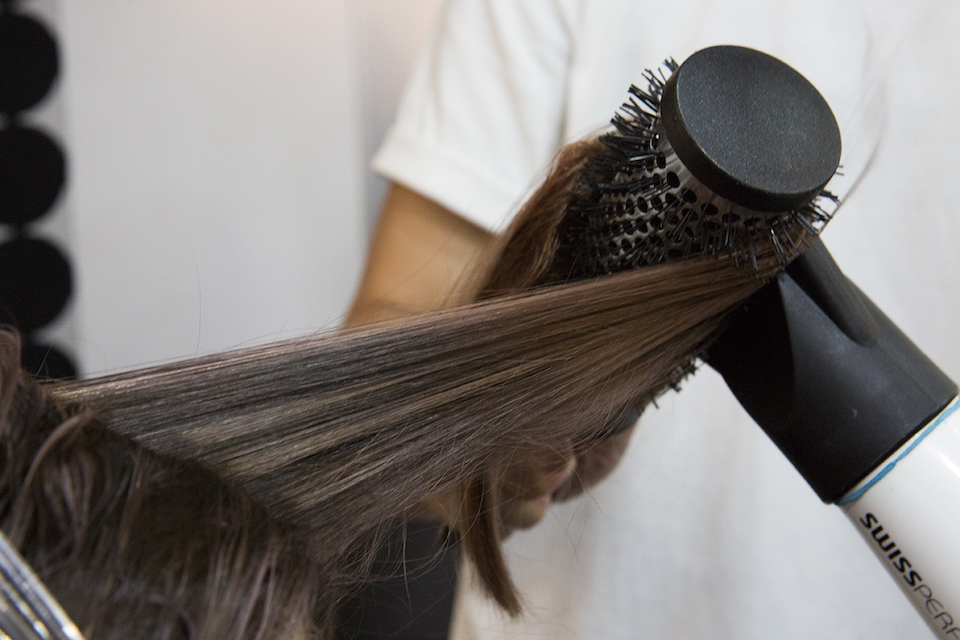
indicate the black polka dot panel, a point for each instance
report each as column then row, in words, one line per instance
column 32, row 172
column 35, row 274
column 46, row 363
column 35, row 283
column 28, row 62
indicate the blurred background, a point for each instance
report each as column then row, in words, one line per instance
column 215, row 193
column 217, row 190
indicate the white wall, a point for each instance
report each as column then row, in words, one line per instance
column 218, row 190
column 389, row 35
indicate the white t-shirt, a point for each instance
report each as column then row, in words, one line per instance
column 704, row 530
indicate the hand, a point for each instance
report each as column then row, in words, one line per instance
column 527, row 484
column 537, row 478
column 594, row 463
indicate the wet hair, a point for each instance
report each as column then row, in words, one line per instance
column 306, row 448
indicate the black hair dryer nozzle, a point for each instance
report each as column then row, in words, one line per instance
column 833, row 382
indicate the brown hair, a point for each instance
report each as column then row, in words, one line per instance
column 336, row 434
column 137, row 545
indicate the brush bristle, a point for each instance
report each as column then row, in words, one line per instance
column 638, row 205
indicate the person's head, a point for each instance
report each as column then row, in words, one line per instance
column 137, row 545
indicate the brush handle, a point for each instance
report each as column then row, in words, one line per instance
column 908, row 511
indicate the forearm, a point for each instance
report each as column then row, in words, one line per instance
column 420, row 254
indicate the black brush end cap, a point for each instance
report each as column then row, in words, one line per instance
column 751, row 128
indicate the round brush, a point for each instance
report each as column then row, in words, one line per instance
column 729, row 155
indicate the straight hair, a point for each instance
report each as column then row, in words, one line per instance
column 334, row 435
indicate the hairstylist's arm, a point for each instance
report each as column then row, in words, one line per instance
column 419, row 254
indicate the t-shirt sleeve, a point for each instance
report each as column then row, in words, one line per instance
column 483, row 112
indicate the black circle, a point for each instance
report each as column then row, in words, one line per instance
column 28, row 62
column 35, row 283
column 46, row 362
column 751, row 128
column 32, row 173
